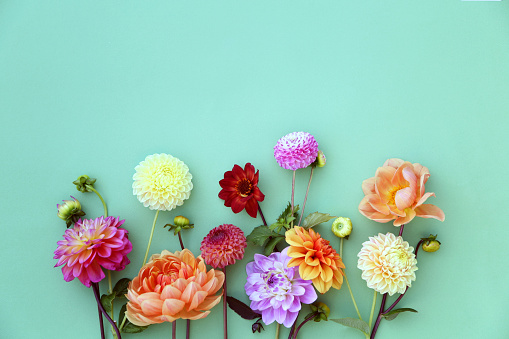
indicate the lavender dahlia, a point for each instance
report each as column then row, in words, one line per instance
column 296, row 150
column 276, row 289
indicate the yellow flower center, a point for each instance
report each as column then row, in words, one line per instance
column 164, row 177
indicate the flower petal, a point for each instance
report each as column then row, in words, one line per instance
column 430, row 211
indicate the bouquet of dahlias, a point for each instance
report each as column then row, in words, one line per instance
column 295, row 265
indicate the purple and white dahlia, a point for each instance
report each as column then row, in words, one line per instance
column 276, row 289
column 296, row 150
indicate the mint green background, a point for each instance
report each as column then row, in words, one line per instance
column 95, row 86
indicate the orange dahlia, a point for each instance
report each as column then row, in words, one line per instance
column 172, row 286
column 316, row 259
column 223, row 246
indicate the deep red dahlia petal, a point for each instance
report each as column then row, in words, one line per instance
column 228, row 183
column 255, row 178
column 238, row 173
column 252, row 207
column 249, row 171
column 258, row 195
column 238, row 204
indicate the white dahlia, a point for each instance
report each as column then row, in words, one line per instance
column 162, row 182
column 388, row 263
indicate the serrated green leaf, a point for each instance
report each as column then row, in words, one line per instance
column 120, row 288
column 128, row 326
column 316, row 218
column 354, row 323
column 269, row 248
column 260, row 234
column 107, row 301
column 394, row 313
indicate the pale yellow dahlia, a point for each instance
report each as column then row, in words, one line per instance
column 388, row 263
column 162, row 182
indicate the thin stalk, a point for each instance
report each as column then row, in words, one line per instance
column 372, row 309
column 401, row 230
column 306, row 196
column 100, row 197
column 290, row 336
column 101, row 325
column 302, row 324
column 95, row 287
column 293, row 194
column 180, row 240
column 123, row 322
column 225, row 307
column 277, row 330
column 261, row 215
column 377, row 323
column 150, row 239
column 174, row 329
column 346, row 280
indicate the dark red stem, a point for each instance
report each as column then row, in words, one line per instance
column 188, row 322
column 290, row 336
column 261, row 215
column 95, row 287
column 174, row 329
column 101, row 325
column 302, row 323
column 375, row 328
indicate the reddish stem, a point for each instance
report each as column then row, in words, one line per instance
column 261, row 215
column 225, row 307
column 95, row 287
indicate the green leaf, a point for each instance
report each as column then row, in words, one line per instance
column 316, row 218
column 269, row 248
column 107, row 301
column 354, row 323
column 394, row 313
column 260, row 234
column 120, row 288
column 128, row 326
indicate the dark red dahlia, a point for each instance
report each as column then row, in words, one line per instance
column 240, row 189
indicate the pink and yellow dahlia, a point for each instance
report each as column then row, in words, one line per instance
column 396, row 192
column 90, row 246
column 223, row 246
column 316, row 259
column 388, row 263
column 172, row 286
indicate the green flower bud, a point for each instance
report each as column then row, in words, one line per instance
column 70, row 211
column 342, row 227
column 83, row 183
column 320, row 159
column 430, row 244
column 322, row 311
column 181, row 221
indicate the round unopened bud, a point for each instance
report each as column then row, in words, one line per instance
column 83, row 183
column 342, row 227
column 70, row 211
column 321, row 310
column 430, row 244
column 180, row 221
column 320, row 159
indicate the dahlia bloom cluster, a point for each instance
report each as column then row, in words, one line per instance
column 396, row 192
column 90, row 246
column 388, row 263
column 276, row 289
column 173, row 286
column 316, row 259
column 296, row 150
column 162, row 182
column 223, row 246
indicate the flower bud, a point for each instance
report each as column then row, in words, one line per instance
column 430, row 244
column 83, row 183
column 257, row 327
column 70, row 211
column 342, row 227
column 181, row 221
column 320, row 159
column 322, row 311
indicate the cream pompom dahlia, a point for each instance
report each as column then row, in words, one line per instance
column 162, row 182
column 388, row 263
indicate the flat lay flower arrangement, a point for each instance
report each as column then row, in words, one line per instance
column 294, row 265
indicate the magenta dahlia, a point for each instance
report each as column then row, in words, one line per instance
column 223, row 245
column 90, row 246
column 296, row 150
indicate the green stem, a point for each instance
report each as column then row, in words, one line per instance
column 372, row 309
column 150, row 239
column 100, row 197
column 306, row 197
column 277, row 331
column 346, row 280
column 123, row 322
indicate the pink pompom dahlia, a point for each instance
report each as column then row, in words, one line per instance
column 223, row 246
column 296, row 150
column 90, row 246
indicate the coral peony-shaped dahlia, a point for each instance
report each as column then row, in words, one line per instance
column 162, row 182
column 316, row 259
column 90, row 246
column 296, row 150
column 276, row 289
column 388, row 263
column 172, row 286
column 223, row 245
